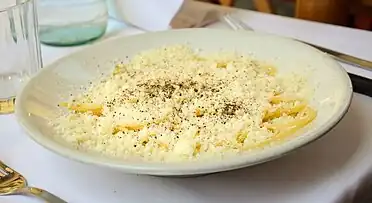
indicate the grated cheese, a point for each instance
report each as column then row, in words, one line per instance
column 171, row 104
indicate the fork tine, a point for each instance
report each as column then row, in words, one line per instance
column 239, row 23
column 2, row 174
column 235, row 23
column 5, row 168
column 7, row 174
column 230, row 22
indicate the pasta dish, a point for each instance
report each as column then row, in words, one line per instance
column 175, row 104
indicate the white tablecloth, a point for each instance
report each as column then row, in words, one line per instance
column 327, row 171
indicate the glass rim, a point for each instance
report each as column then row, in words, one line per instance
column 12, row 7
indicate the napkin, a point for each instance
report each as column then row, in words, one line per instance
column 160, row 15
column 6, row 3
column 191, row 15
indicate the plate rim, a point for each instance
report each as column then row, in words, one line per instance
column 188, row 168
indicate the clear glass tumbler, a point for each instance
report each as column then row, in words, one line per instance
column 19, row 48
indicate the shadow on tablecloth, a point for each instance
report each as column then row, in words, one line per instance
column 303, row 175
column 300, row 171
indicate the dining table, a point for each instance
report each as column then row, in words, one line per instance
column 334, row 169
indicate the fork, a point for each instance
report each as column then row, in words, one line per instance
column 13, row 183
column 237, row 24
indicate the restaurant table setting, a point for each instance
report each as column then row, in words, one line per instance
column 335, row 169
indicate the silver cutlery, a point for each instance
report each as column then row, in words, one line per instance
column 237, row 24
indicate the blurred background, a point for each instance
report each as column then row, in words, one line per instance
column 350, row 13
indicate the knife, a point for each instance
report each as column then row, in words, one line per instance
column 344, row 58
column 237, row 24
column 361, row 84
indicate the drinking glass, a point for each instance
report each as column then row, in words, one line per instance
column 71, row 22
column 19, row 48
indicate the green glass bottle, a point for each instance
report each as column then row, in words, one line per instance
column 71, row 22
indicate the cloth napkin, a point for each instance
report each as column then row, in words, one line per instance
column 160, row 15
column 6, row 3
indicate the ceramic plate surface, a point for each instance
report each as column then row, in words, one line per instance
column 38, row 99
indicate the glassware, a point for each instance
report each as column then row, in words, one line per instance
column 71, row 22
column 19, row 48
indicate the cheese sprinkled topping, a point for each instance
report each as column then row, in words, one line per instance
column 171, row 104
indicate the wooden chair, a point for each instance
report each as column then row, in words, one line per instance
column 328, row 11
column 226, row 2
column 362, row 12
column 263, row 6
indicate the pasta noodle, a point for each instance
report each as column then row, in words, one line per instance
column 172, row 104
column 95, row 109
column 303, row 115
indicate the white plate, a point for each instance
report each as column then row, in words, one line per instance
column 37, row 101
